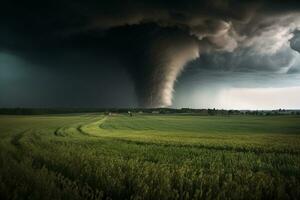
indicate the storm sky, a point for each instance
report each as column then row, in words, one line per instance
column 201, row 54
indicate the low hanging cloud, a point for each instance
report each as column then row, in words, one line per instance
column 156, row 40
column 295, row 41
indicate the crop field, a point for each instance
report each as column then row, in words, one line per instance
column 95, row 156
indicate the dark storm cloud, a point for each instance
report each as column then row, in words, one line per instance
column 295, row 41
column 154, row 39
column 69, row 82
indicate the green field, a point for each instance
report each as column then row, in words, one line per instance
column 93, row 156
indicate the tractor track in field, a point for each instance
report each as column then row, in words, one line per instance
column 57, row 131
column 63, row 131
column 79, row 129
column 97, row 124
column 15, row 140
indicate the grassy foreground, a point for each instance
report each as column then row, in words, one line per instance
column 94, row 156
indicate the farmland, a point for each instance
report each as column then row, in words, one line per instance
column 147, row 156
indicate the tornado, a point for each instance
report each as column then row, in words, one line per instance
column 165, row 59
column 154, row 58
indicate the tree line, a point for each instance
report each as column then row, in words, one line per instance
column 133, row 111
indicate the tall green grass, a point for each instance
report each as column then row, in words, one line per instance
column 149, row 157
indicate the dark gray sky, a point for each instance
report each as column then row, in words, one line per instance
column 223, row 54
